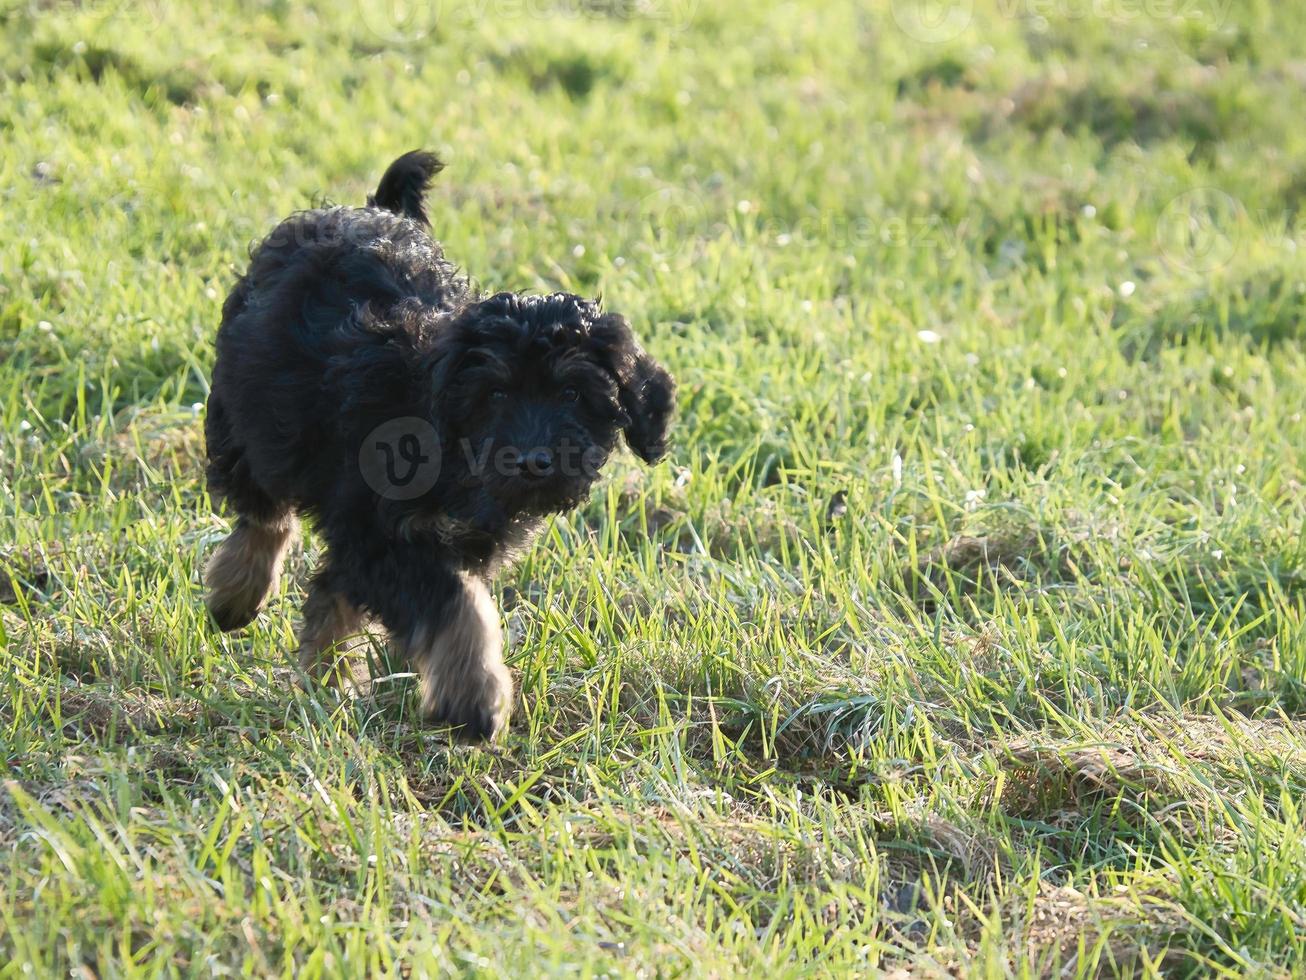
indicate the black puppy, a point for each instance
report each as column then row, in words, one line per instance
column 424, row 428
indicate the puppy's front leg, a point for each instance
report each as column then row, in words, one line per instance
column 440, row 617
column 457, row 648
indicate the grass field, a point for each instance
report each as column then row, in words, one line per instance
column 962, row 632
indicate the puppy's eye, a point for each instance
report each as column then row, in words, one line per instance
column 498, row 395
column 570, row 393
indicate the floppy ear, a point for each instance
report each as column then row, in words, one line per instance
column 645, row 389
column 649, row 398
column 443, row 362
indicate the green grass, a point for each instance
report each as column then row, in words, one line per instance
column 962, row 631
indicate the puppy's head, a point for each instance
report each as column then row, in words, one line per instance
column 532, row 393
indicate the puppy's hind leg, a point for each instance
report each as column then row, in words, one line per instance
column 245, row 568
column 329, row 619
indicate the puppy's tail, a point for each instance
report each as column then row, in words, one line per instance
column 403, row 186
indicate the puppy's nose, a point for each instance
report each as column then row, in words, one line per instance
column 537, row 462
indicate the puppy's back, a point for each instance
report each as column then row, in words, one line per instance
column 328, row 288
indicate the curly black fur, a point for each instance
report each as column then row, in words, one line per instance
column 425, row 428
